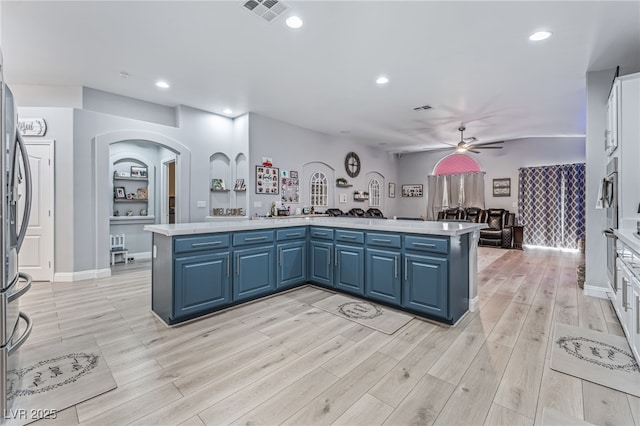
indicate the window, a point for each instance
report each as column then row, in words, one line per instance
column 374, row 193
column 319, row 190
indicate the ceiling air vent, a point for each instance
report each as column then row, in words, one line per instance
column 422, row 108
column 266, row 9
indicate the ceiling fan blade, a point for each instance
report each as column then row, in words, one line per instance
column 473, row 150
column 486, row 147
column 440, row 149
column 487, row 143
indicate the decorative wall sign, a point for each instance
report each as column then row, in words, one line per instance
column 267, row 180
column 412, row 190
column 32, row 126
column 392, row 190
column 502, row 187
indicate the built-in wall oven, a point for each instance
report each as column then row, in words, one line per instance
column 610, row 203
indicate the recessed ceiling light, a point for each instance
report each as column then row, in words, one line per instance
column 294, row 22
column 162, row 84
column 227, row 111
column 382, row 80
column 124, row 74
column 540, row 35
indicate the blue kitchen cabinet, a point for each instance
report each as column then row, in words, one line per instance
column 202, row 283
column 349, row 268
column 425, row 288
column 292, row 264
column 383, row 275
column 254, row 272
column 321, row 267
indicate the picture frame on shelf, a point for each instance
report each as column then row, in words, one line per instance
column 413, row 190
column 293, row 174
column 239, row 185
column 267, row 180
column 131, row 196
column 392, row 190
column 119, row 193
column 217, row 184
column 138, row 172
column 502, row 187
column 141, row 194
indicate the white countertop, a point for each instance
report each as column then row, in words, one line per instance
column 389, row 225
column 629, row 238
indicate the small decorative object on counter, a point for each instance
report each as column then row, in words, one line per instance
column 306, row 210
column 143, row 212
column 116, row 213
column 129, row 212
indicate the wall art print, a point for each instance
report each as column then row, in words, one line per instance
column 290, row 187
column 267, row 180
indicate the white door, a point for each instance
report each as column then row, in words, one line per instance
column 36, row 254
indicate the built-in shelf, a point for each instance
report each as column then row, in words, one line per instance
column 346, row 185
column 126, row 200
column 220, row 190
column 240, row 190
column 144, row 179
column 136, row 218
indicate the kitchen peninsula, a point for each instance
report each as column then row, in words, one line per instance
column 426, row 268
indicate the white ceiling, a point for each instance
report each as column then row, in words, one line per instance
column 471, row 61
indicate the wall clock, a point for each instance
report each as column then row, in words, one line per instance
column 352, row 164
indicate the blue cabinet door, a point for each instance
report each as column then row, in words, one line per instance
column 292, row 264
column 202, row 282
column 320, row 254
column 425, row 285
column 383, row 275
column 254, row 272
column 349, row 268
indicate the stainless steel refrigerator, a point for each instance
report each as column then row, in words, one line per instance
column 14, row 173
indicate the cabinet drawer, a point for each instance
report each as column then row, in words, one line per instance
column 384, row 240
column 432, row 244
column 201, row 242
column 321, row 233
column 291, row 233
column 247, row 238
column 356, row 237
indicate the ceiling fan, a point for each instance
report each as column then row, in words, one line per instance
column 465, row 145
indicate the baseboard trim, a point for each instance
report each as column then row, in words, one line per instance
column 596, row 291
column 141, row 256
column 473, row 304
column 81, row 275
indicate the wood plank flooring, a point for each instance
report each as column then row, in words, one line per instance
column 282, row 361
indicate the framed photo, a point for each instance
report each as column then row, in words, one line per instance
column 293, row 174
column 392, row 190
column 239, row 185
column 217, row 184
column 412, row 190
column 267, row 180
column 290, row 190
column 502, row 187
column 119, row 193
column 137, row 171
column 141, row 194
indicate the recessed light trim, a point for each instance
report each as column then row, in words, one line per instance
column 382, row 80
column 294, row 22
column 540, row 35
column 227, row 111
column 162, row 84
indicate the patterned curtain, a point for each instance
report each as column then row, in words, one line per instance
column 551, row 203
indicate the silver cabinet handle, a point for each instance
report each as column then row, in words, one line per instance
column 423, row 244
column 318, row 234
column 380, row 240
column 212, row 243
column 337, row 257
column 293, row 235
column 406, row 268
column 624, row 293
column 25, row 335
column 238, row 264
column 395, row 266
column 329, row 258
column 255, row 238
column 228, row 262
column 280, row 258
column 637, row 315
column 348, row 237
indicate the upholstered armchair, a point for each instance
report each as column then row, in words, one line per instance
column 499, row 232
column 476, row 215
column 452, row 214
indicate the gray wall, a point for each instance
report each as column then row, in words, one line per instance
column 295, row 148
column 503, row 163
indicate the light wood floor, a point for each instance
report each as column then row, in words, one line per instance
column 282, row 361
